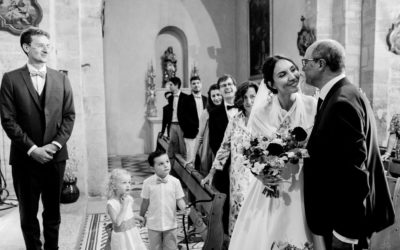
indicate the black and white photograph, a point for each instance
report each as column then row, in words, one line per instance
column 199, row 124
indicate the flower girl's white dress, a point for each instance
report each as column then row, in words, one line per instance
column 127, row 240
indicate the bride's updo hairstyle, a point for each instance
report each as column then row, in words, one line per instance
column 268, row 70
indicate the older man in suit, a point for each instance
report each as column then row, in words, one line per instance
column 37, row 113
column 345, row 190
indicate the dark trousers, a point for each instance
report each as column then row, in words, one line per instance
column 30, row 182
column 221, row 182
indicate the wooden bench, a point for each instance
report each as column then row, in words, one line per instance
column 212, row 205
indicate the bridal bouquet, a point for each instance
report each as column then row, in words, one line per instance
column 266, row 157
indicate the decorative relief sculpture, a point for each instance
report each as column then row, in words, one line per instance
column 169, row 65
column 151, row 110
column 305, row 37
column 393, row 37
column 17, row 15
column 195, row 71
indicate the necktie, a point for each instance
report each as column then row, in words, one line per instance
column 160, row 180
column 228, row 107
column 38, row 73
column 319, row 103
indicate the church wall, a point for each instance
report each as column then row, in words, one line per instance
column 131, row 29
column 75, row 30
column 286, row 25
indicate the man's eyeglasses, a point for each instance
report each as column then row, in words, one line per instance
column 224, row 85
column 42, row 46
column 305, row 61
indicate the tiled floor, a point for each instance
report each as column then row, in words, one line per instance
column 74, row 214
column 140, row 170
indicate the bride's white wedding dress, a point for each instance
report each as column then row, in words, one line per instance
column 272, row 223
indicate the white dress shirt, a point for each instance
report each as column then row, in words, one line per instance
column 38, row 81
column 175, row 106
column 199, row 104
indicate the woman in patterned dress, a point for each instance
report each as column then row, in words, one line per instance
column 232, row 146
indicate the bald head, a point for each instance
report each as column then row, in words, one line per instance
column 331, row 51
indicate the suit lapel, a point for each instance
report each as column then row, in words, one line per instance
column 335, row 87
column 318, row 116
column 29, row 85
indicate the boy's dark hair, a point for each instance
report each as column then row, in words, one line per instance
column 154, row 155
column 26, row 35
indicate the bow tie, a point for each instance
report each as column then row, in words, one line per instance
column 228, row 107
column 38, row 73
column 159, row 180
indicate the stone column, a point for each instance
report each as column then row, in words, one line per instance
column 380, row 69
column 242, row 41
column 93, row 84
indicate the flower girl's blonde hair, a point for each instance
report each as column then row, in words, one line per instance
column 115, row 176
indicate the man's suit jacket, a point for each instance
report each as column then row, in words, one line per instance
column 28, row 121
column 190, row 120
column 170, row 108
column 166, row 124
column 345, row 188
column 218, row 122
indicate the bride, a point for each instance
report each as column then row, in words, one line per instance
column 269, row 222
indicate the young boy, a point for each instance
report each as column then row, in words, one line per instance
column 161, row 194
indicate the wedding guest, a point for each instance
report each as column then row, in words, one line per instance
column 394, row 134
column 176, row 103
column 218, row 120
column 346, row 195
column 202, row 147
column 236, row 134
column 37, row 113
column 195, row 103
column 166, row 113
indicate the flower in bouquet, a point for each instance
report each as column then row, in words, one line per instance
column 266, row 157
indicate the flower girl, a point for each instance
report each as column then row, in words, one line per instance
column 125, row 235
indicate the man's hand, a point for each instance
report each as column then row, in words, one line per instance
column 43, row 154
column 51, row 148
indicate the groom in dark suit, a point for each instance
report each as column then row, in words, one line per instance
column 345, row 190
column 37, row 113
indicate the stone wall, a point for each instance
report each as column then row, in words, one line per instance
column 75, row 30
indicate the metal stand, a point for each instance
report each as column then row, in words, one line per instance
column 4, row 194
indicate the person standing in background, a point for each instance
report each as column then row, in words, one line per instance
column 194, row 105
column 218, row 121
column 175, row 114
